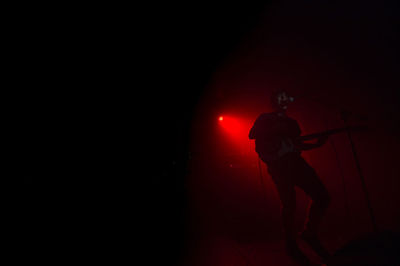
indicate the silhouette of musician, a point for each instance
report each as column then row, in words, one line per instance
column 277, row 144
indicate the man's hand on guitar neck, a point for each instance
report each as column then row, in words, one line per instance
column 322, row 140
column 309, row 146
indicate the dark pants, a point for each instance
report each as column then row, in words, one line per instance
column 290, row 171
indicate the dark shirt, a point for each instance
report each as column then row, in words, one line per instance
column 271, row 131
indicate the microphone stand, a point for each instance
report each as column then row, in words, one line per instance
column 345, row 116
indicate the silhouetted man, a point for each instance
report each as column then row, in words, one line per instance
column 278, row 145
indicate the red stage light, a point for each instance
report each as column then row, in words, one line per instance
column 236, row 129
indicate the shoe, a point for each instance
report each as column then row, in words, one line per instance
column 312, row 240
column 297, row 255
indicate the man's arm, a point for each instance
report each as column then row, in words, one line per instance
column 256, row 126
column 309, row 146
column 252, row 133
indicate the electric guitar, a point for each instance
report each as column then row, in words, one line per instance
column 288, row 145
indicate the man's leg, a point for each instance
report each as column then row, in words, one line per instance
column 287, row 195
column 319, row 195
column 311, row 184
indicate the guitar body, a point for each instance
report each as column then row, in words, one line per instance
column 278, row 148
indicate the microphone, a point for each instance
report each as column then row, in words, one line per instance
column 291, row 99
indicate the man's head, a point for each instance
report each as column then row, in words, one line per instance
column 280, row 100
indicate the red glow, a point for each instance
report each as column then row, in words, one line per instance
column 233, row 127
column 236, row 130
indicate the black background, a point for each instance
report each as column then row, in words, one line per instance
column 100, row 108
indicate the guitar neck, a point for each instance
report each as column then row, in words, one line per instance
column 330, row 132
